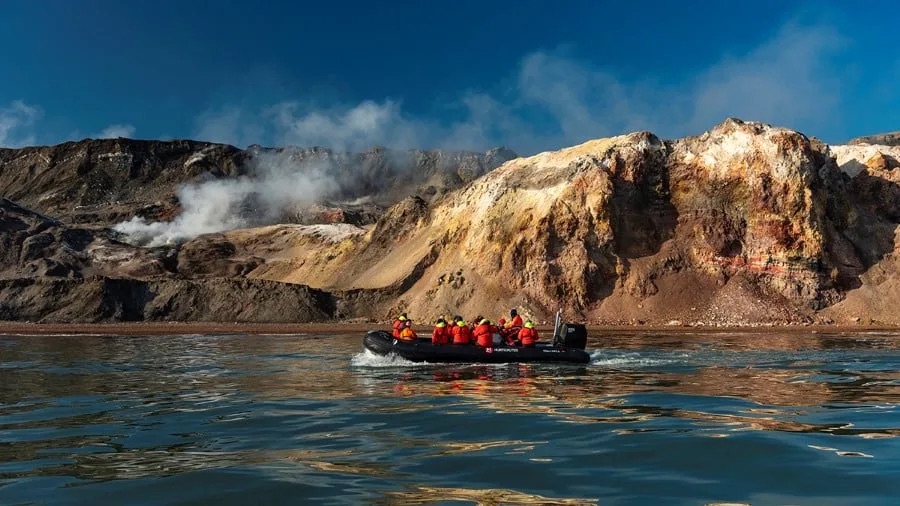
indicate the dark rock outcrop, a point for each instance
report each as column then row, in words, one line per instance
column 122, row 300
column 888, row 139
column 53, row 273
column 107, row 181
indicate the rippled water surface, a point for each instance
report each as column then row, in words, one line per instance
column 654, row 419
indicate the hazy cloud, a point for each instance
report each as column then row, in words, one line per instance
column 115, row 131
column 346, row 128
column 230, row 125
column 556, row 100
column 789, row 81
column 17, row 122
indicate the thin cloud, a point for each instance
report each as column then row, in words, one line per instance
column 17, row 122
column 346, row 129
column 230, row 125
column 556, row 100
column 789, row 81
column 115, row 131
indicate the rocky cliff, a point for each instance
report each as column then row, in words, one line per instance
column 888, row 139
column 107, row 181
column 745, row 224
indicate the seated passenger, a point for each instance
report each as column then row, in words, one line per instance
column 514, row 319
column 484, row 334
column 528, row 336
column 398, row 325
column 441, row 334
column 407, row 333
column 462, row 334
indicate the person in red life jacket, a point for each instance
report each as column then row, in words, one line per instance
column 528, row 336
column 484, row 334
column 462, row 333
column 407, row 333
column 473, row 324
column 398, row 325
column 441, row 334
column 514, row 319
column 510, row 329
column 501, row 322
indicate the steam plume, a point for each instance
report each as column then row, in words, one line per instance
column 276, row 181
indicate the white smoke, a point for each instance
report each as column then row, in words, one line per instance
column 16, row 122
column 277, row 182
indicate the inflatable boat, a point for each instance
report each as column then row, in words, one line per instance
column 568, row 345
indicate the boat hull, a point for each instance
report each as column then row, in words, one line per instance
column 421, row 350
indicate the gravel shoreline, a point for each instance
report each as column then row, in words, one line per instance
column 170, row 328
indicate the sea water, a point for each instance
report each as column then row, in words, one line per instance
column 664, row 418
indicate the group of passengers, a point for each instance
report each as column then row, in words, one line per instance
column 481, row 332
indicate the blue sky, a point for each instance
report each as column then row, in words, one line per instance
column 531, row 75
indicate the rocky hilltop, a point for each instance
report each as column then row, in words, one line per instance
column 107, row 181
column 746, row 224
column 888, row 139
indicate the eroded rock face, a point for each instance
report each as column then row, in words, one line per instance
column 888, row 139
column 107, row 181
column 54, row 273
column 36, row 246
column 110, row 180
column 745, row 224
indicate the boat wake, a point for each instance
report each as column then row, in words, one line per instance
column 627, row 360
column 368, row 359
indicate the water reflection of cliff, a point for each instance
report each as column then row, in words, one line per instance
column 121, row 387
column 519, row 385
column 487, row 497
column 785, row 376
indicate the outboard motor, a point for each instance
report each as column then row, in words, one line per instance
column 574, row 335
column 569, row 335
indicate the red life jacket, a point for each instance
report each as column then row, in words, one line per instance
column 398, row 326
column 515, row 322
column 440, row 335
column 462, row 334
column 484, row 335
column 528, row 336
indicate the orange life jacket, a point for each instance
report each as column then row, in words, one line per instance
column 407, row 334
column 528, row 336
column 462, row 334
column 515, row 322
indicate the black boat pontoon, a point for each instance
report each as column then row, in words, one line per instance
column 568, row 345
